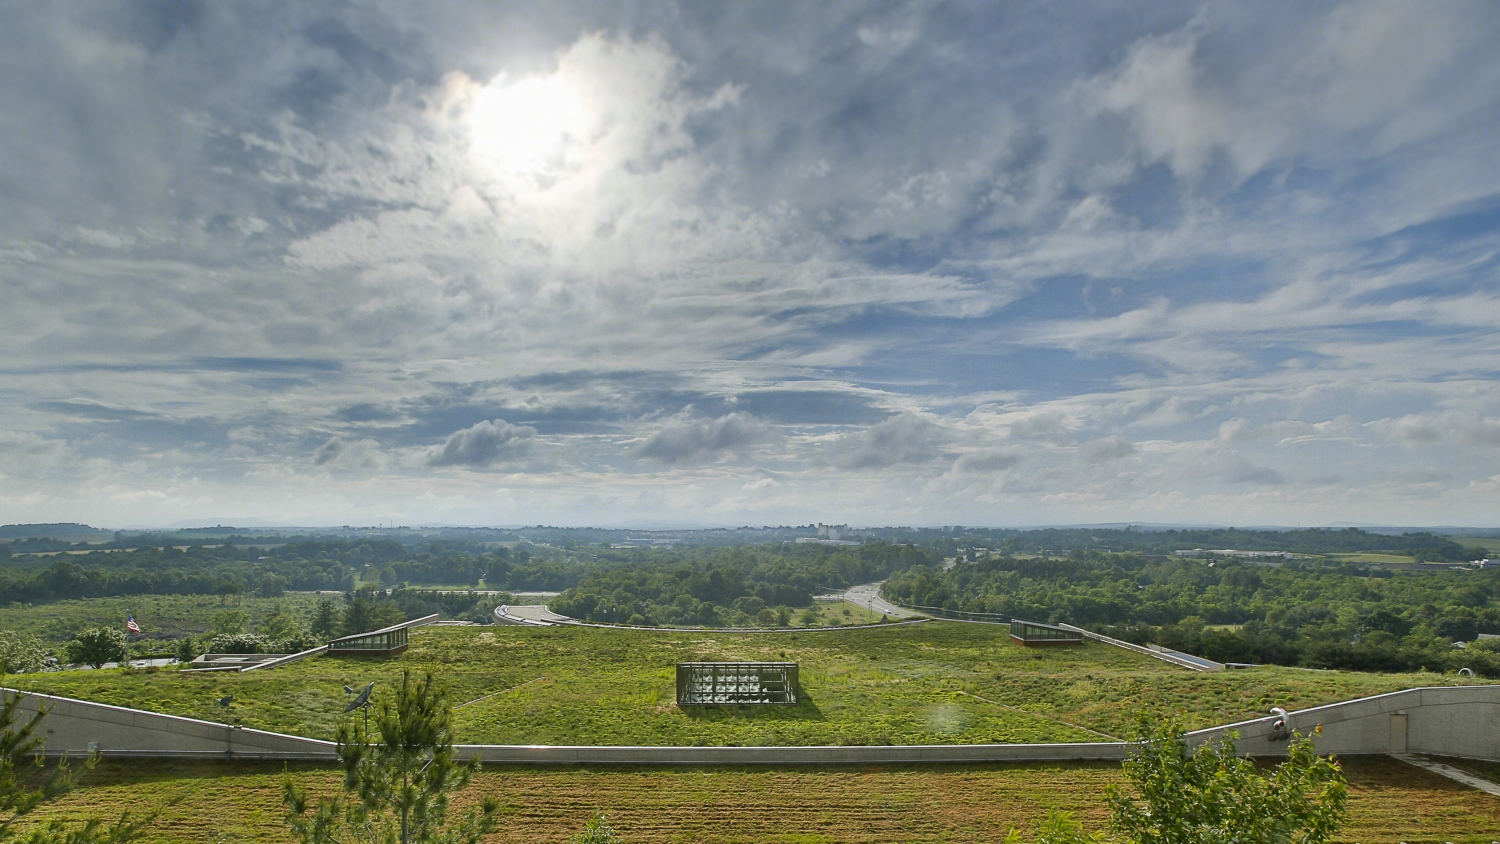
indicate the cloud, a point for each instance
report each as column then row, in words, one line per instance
column 359, row 454
column 978, row 462
column 1244, row 473
column 25, row 455
column 483, row 444
column 707, row 439
column 1050, row 427
column 1172, row 277
column 1106, row 450
column 906, row 439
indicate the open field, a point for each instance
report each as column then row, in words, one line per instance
column 835, row 613
column 1489, row 544
column 1372, row 557
column 160, row 616
column 1389, row 802
column 931, row 683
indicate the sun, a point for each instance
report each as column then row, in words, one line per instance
column 525, row 127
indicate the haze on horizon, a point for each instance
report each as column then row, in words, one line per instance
column 697, row 263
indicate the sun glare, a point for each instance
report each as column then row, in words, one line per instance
column 525, row 127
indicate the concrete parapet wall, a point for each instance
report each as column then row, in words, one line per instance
column 1203, row 665
column 1448, row 721
column 1441, row 720
column 289, row 658
column 76, row 727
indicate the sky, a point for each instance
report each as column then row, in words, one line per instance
column 700, row 264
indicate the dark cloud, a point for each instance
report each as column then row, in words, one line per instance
column 904, row 439
column 353, row 454
column 328, row 451
column 707, row 439
column 484, row 444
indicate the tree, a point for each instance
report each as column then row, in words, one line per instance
column 1059, row 828
column 325, row 619
column 399, row 778
column 24, row 786
column 229, row 622
column 1211, row 795
column 20, row 654
column 237, row 643
column 596, row 831
column 272, row 585
column 358, row 617
column 96, row 646
column 283, row 626
column 187, row 650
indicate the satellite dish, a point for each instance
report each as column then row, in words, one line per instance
column 363, row 699
column 226, row 700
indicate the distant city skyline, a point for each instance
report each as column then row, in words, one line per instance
column 719, row 264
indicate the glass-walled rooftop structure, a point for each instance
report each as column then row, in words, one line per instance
column 708, row 683
column 385, row 642
column 1030, row 633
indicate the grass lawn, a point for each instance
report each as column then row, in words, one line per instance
column 1389, row 802
column 839, row 614
column 932, row 683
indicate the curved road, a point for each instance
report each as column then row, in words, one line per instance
column 867, row 595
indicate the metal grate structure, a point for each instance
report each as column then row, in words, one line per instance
column 711, row 683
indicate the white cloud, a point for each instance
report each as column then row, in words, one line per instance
column 905, row 439
column 483, row 444
column 707, row 439
column 1181, row 261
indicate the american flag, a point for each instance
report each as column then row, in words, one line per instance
column 131, row 625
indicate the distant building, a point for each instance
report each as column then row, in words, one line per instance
column 832, row 531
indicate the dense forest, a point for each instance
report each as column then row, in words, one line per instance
column 308, row 565
column 1312, row 614
column 1321, row 612
column 746, row 586
column 1421, row 546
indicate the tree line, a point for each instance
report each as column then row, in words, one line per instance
column 1310, row 614
column 231, row 569
column 741, row 586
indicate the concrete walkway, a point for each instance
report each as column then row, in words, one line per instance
column 531, row 613
column 1449, row 771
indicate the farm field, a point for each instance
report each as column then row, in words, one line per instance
column 1389, row 802
column 160, row 616
column 1489, row 544
column 930, row 683
column 1372, row 557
